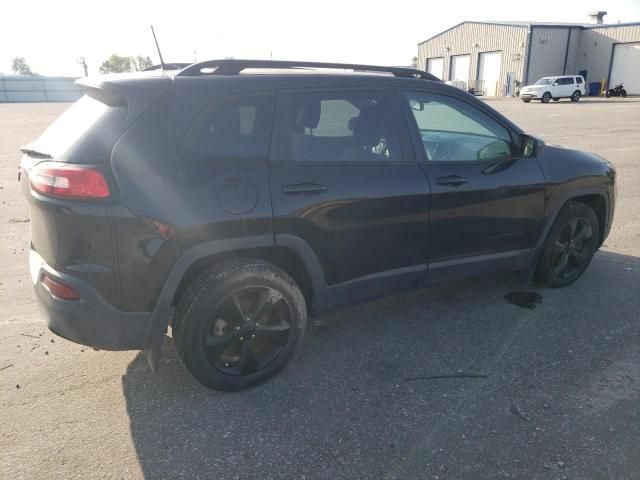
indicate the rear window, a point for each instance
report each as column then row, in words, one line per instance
column 337, row 126
column 236, row 126
column 77, row 122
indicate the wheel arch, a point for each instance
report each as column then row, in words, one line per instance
column 595, row 198
column 282, row 257
column 296, row 258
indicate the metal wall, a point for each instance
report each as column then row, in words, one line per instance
column 474, row 38
column 548, row 52
column 595, row 51
column 572, row 53
column 30, row 88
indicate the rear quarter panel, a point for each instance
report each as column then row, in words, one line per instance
column 201, row 201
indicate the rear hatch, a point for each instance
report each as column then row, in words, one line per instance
column 66, row 176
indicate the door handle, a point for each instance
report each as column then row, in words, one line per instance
column 453, row 180
column 305, row 187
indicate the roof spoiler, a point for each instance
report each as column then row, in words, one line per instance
column 136, row 92
column 102, row 93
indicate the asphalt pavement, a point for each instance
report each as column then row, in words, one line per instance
column 450, row 382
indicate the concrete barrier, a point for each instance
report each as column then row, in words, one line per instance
column 35, row 88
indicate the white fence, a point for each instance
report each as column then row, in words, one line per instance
column 34, row 88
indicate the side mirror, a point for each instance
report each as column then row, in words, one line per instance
column 555, row 84
column 530, row 145
column 416, row 105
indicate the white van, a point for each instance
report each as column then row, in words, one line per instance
column 547, row 88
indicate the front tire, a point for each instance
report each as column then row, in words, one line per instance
column 623, row 93
column 239, row 323
column 607, row 94
column 546, row 97
column 575, row 96
column 526, row 100
column 569, row 246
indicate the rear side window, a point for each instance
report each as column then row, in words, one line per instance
column 233, row 126
column 336, row 126
column 578, row 80
column 565, row 81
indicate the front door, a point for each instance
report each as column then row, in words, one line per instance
column 345, row 183
column 487, row 201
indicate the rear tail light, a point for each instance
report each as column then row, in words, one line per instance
column 68, row 181
column 59, row 290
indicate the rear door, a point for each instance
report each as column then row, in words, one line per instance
column 345, row 183
column 487, row 202
column 566, row 87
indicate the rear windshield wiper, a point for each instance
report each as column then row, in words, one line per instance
column 34, row 153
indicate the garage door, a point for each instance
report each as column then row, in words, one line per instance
column 435, row 67
column 625, row 67
column 489, row 73
column 460, row 68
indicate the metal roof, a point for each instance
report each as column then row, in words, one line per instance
column 536, row 24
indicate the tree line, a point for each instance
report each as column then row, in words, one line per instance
column 114, row 64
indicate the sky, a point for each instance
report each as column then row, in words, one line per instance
column 52, row 35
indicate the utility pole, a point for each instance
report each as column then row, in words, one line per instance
column 82, row 61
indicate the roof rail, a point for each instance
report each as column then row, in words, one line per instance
column 167, row 66
column 235, row 66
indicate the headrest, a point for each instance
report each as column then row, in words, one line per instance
column 353, row 121
column 308, row 114
column 368, row 122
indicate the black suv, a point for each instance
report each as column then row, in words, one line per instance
column 233, row 198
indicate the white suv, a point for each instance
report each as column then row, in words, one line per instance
column 555, row 88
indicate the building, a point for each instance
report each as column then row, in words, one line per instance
column 491, row 57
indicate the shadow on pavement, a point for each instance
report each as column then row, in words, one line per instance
column 366, row 397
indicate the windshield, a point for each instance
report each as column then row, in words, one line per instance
column 544, row 81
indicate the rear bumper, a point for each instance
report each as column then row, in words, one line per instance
column 91, row 320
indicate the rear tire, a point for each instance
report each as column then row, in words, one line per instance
column 546, row 97
column 569, row 246
column 239, row 323
column 576, row 96
column 607, row 94
column 623, row 93
column 526, row 100
column 556, row 99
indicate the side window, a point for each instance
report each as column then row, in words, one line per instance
column 332, row 126
column 452, row 130
column 565, row 81
column 578, row 80
column 233, row 126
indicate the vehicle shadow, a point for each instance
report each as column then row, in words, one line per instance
column 389, row 388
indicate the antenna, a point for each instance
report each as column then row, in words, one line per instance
column 158, row 47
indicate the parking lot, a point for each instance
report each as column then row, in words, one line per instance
column 450, row 382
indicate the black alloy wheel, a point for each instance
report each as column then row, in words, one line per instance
column 569, row 246
column 545, row 97
column 573, row 248
column 239, row 323
column 248, row 331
